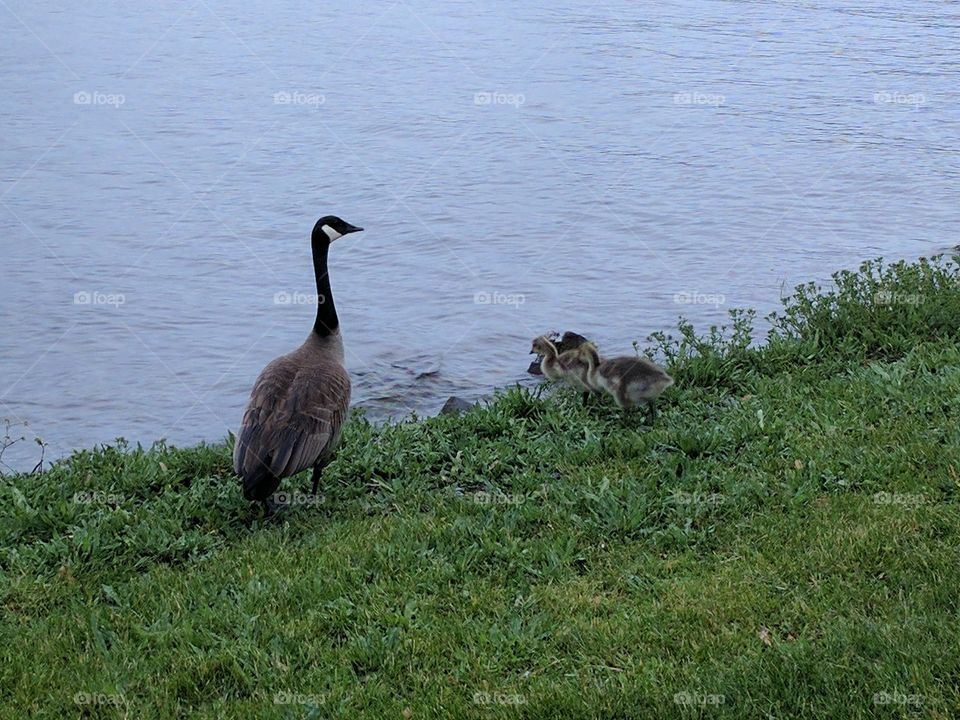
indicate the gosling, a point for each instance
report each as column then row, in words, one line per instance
column 567, row 367
column 631, row 381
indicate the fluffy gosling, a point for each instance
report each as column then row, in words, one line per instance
column 567, row 367
column 631, row 381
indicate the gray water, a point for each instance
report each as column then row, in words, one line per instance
column 584, row 166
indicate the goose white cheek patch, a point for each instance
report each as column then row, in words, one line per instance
column 331, row 233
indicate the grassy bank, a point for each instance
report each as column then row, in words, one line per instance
column 782, row 543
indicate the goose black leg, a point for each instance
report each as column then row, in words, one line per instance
column 318, row 470
column 586, row 397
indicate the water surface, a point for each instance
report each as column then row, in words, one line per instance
column 519, row 168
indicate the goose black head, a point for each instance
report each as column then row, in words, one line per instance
column 330, row 228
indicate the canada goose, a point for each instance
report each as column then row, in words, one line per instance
column 299, row 402
column 567, row 366
column 630, row 380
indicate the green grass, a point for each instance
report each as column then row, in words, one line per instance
column 782, row 543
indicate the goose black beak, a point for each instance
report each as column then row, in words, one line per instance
column 353, row 229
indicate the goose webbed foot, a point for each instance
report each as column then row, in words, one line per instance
column 272, row 508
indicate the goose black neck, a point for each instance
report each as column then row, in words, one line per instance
column 327, row 322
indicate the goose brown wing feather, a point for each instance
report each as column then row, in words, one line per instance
column 294, row 418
